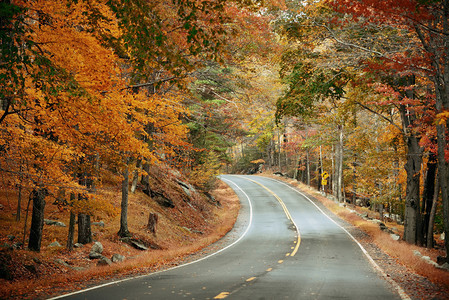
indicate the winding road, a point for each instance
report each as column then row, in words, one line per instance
column 286, row 248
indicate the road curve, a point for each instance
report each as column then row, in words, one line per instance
column 288, row 249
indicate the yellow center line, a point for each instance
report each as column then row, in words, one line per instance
column 269, row 269
column 287, row 213
column 250, row 279
column 280, row 261
column 222, row 295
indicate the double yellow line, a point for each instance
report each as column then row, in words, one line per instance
column 287, row 213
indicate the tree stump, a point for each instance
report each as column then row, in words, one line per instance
column 152, row 222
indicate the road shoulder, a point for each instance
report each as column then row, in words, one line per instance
column 414, row 285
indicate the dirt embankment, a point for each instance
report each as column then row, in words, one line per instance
column 194, row 222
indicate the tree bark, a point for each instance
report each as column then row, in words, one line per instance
column 339, row 163
column 37, row 219
column 123, row 231
column 427, row 201
column 433, row 211
column 443, row 175
column 19, row 203
column 436, row 43
column 136, row 176
column 71, row 231
column 308, row 167
column 152, row 222
column 84, row 229
column 146, row 178
column 413, row 164
column 413, row 168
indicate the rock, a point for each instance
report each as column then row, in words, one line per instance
column 429, row 261
column 442, row 236
column 97, row 247
column 96, row 250
column 95, row 255
column 395, row 236
column 37, row 260
column 78, row 245
column 125, row 239
column 31, row 268
column 186, row 229
column 99, row 224
column 55, row 244
column 54, row 223
column 383, row 227
column 212, row 199
column 278, row 174
column 187, row 188
column 104, row 261
column 358, row 202
column 442, row 259
column 61, row 262
column 138, row 245
column 445, row 266
column 5, row 272
column 417, row 253
column 117, row 258
column 18, row 245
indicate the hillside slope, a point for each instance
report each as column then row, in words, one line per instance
column 194, row 222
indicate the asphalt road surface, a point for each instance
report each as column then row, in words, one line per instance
column 287, row 248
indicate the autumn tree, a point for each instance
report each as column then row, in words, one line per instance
column 426, row 26
column 74, row 108
column 368, row 39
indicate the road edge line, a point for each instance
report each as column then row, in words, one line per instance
column 175, row 267
column 398, row 288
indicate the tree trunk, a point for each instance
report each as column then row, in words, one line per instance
column 19, row 203
column 152, row 222
column 441, row 82
column 71, row 231
column 145, row 181
column 339, row 162
column 433, row 211
column 443, row 175
column 427, row 201
column 84, row 229
column 136, row 176
column 279, row 149
column 37, row 219
column 442, row 103
column 413, row 164
column 308, row 167
column 413, row 168
column 124, row 232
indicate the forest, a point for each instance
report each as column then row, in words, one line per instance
column 348, row 96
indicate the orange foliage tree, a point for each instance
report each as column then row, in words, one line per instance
column 65, row 102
